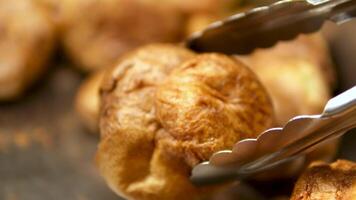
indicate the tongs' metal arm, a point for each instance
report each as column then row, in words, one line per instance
column 330, row 130
column 338, row 117
column 339, row 11
column 263, row 26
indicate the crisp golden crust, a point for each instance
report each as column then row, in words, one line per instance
column 210, row 103
column 133, row 155
column 135, row 77
column 96, row 32
column 336, row 181
column 87, row 101
column 26, row 42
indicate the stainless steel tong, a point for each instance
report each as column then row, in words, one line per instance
column 263, row 26
column 260, row 28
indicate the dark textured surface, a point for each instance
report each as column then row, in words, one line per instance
column 46, row 154
column 44, row 151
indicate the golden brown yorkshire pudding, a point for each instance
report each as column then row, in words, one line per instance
column 327, row 182
column 96, row 32
column 208, row 104
column 164, row 109
column 26, row 42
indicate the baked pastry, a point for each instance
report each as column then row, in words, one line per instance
column 164, row 108
column 87, row 101
column 95, row 33
column 26, row 43
column 323, row 181
column 298, row 75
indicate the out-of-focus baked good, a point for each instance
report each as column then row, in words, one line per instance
column 321, row 181
column 96, row 32
column 87, row 101
column 202, row 6
column 199, row 21
column 52, row 9
column 298, row 75
column 164, row 109
column 26, row 43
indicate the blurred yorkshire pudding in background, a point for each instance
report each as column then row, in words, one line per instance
column 96, row 32
column 164, row 109
column 199, row 21
column 202, row 6
column 26, row 42
column 87, row 101
column 53, row 9
column 327, row 182
column 298, row 74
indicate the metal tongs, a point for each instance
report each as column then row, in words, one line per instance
column 263, row 26
column 260, row 28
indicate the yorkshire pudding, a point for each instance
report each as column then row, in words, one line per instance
column 327, row 182
column 95, row 33
column 164, row 109
column 87, row 101
column 26, row 42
